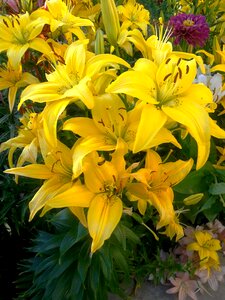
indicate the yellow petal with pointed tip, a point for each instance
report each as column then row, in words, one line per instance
column 33, row 171
column 136, row 84
column 79, row 213
column 103, row 216
column 196, row 119
column 152, row 120
column 87, row 145
column 81, row 126
column 51, row 114
column 177, row 170
column 78, row 195
column 49, row 189
column 215, row 130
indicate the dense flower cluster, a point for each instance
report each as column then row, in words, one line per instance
column 116, row 122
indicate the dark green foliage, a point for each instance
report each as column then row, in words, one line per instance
column 61, row 266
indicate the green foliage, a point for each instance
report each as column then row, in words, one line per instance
column 61, row 266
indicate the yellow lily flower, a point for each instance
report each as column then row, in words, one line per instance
column 13, row 78
column 57, row 173
column 58, row 15
column 170, row 94
column 110, row 124
column 154, row 186
column 206, row 246
column 134, row 15
column 19, row 33
column 27, row 138
column 70, row 81
column 102, row 192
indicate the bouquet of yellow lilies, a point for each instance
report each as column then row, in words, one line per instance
column 121, row 117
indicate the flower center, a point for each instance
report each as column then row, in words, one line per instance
column 188, row 23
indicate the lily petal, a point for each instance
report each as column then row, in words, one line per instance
column 103, row 216
column 33, row 171
column 136, row 84
column 152, row 120
column 196, row 119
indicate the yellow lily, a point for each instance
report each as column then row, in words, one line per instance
column 104, row 184
column 27, row 138
column 110, row 124
column 19, row 33
column 154, row 186
column 206, row 246
column 57, row 173
column 134, row 15
column 70, row 81
column 58, row 15
column 13, row 78
column 170, row 94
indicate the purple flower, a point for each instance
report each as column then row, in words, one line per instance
column 191, row 28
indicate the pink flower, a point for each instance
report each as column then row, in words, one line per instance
column 213, row 277
column 184, row 286
column 191, row 28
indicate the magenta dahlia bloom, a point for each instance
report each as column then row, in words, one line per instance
column 191, row 28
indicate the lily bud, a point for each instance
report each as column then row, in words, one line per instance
column 193, row 199
column 99, row 42
column 111, row 20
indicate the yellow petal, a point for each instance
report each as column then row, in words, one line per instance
column 98, row 173
column 177, row 170
column 163, row 136
column 51, row 114
column 110, row 115
column 152, row 120
column 41, row 92
column 86, row 146
column 75, row 57
column 162, row 200
column 136, row 84
column 15, row 53
column 196, row 119
column 42, row 46
column 81, row 126
column 220, row 67
column 12, row 97
column 82, row 92
column 33, row 171
column 103, row 216
column 79, row 213
column 215, row 130
column 97, row 62
column 49, row 189
column 78, row 195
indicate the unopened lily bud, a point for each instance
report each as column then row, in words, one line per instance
column 193, row 199
column 99, row 42
column 26, row 5
column 111, row 20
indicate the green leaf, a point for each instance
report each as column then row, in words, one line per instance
column 196, row 181
column 212, row 213
column 208, row 203
column 84, row 260
column 217, row 188
column 68, row 241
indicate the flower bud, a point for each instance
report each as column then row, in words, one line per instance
column 193, row 199
column 111, row 20
column 99, row 42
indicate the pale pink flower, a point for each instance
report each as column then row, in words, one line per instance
column 184, row 286
column 213, row 277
